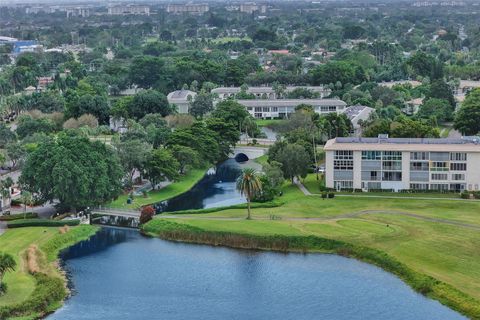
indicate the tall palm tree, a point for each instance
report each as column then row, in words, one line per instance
column 249, row 184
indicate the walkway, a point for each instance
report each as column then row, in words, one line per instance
column 3, row 227
column 302, row 187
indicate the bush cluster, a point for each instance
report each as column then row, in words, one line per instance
column 41, row 223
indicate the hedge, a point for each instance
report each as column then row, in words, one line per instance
column 18, row 216
column 41, row 223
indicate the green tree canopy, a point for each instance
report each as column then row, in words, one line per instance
column 467, row 119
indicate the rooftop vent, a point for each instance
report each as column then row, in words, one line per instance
column 382, row 138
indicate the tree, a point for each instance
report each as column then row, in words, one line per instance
column 7, row 263
column 15, row 153
column 248, row 183
column 439, row 89
column 335, row 125
column 74, row 170
column 202, row 105
column 272, row 181
column 159, row 166
column 146, row 214
column 294, row 159
column 97, row 105
column 439, row 109
column 149, row 101
column 228, row 135
column 28, row 126
column 231, row 111
column 27, row 199
column 186, row 157
column 6, row 135
column 467, row 119
column 132, row 154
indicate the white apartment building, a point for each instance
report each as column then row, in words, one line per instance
column 267, row 92
column 403, row 163
column 281, row 108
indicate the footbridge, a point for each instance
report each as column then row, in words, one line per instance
column 106, row 211
column 249, row 151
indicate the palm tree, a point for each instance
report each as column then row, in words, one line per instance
column 7, row 263
column 27, row 199
column 248, row 183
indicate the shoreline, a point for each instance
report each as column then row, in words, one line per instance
column 51, row 287
column 420, row 283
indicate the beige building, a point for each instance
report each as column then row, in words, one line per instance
column 192, row 8
column 181, row 99
column 129, row 9
column 403, row 163
column 251, row 7
column 267, row 92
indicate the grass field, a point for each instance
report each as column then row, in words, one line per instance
column 268, row 122
column 406, row 229
column 49, row 241
column 230, row 39
column 185, row 183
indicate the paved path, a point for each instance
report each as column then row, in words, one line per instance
column 302, row 187
column 3, row 227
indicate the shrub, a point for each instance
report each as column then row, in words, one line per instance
column 147, row 214
column 41, row 223
column 331, row 195
column 324, row 195
column 3, row 288
column 465, row 195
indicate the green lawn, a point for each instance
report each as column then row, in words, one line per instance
column 15, row 241
column 268, row 122
column 446, row 252
column 262, row 160
column 230, row 39
column 185, row 183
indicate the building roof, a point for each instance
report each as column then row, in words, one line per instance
column 469, row 84
column 464, row 144
column 181, row 95
column 266, row 89
column 290, row 102
column 354, row 111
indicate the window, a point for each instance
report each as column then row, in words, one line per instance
column 274, row 109
column 457, row 187
column 439, row 176
column 258, row 109
column 249, row 108
column 392, row 165
column 439, row 186
column 392, row 155
column 458, row 177
column 439, row 166
column 419, row 156
column 418, row 186
column 343, row 184
column 458, row 166
column 371, row 155
column 343, row 164
column 392, row 176
column 458, row 156
column 419, row 166
column 343, row 155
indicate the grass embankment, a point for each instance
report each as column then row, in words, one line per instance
column 313, row 185
column 185, row 183
column 268, row 122
column 403, row 231
column 37, row 286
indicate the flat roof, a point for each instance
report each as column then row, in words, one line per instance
column 267, row 89
column 290, row 102
column 464, row 144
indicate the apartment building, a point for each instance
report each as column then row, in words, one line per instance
column 403, row 163
column 129, row 9
column 192, row 8
column 282, row 108
column 267, row 92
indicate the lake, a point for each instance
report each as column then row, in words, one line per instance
column 119, row 274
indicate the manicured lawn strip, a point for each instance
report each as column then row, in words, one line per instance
column 262, row 160
column 42, row 292
column 254, row 238
column 18, row 216
column 185, row 183
column 268, row 122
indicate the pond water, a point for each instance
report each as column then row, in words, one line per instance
column 119, row 274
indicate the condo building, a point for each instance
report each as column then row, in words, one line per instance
column 267, row 92
column 282, row 108
column 403, row 163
